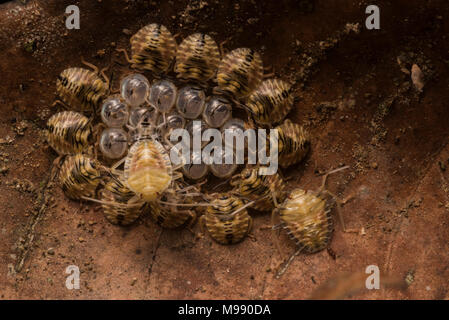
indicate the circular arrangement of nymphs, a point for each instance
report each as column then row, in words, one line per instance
column 117, row 149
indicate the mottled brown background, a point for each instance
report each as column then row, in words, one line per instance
column 359, row 106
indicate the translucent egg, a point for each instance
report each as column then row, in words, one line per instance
column 203, row 126
column 217, row 112
column 223, row 170
column 237, row 128
column 195, row 171
column 190, row 102
column 114, row 143
column 114, row 112
column 134, row 89
column 163, row 95
column 200, row 129
column 142, row 115
column 173, row 121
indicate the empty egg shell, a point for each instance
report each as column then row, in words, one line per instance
column 135, row 89
column 190, row 102
column 217, row 111
column 114, row 112
column 163, row 95
column 114, row 143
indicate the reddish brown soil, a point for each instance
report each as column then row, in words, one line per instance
column 397, row 152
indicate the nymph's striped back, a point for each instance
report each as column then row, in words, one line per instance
column 153, row 48
column 270, row 102
column 197, row 58
column 81, row 89
column 69, row 132
column 121, row 206
column 293, row 143
column 254, row 186
column 223, row 226
column 79, row 176
column 240, row 72
column 171, row 216
column 308, row 220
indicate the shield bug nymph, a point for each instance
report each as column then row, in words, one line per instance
column 307, row 218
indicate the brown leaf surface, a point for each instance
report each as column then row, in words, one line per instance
column 394, row 141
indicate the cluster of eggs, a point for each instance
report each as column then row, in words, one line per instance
column 166, row 107
column 137, row 123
